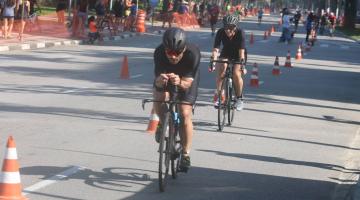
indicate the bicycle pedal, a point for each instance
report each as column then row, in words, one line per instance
column 183, row 170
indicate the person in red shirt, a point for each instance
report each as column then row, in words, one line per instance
column 332, row 20
column 93, row 32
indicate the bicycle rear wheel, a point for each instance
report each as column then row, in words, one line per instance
column 164, row 153
column 222, row 108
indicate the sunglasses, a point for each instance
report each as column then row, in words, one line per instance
column 230, row 28
column 172, row 52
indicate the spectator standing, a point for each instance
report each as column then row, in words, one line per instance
column 82, row 9
column 165, row 13
column 133, row 11
column 118, row 10
column 308, row 25
column 286, row 26
column 297, row 18
column 100, row 11
column 332, row 20
column 214, row 15
column 323, row 23
column 60, row 11
column 260, row 15
column 8, row 16
column 23, row 11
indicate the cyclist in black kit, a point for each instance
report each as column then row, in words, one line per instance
column 177, row 63
column 233, row 40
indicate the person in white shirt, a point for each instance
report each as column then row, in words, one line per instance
column 286, row 26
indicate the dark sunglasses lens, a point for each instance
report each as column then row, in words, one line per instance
column 172, row 53
column 230, row 28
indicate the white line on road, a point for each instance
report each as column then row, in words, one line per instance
column 344, row 47
column 324, row 45
column 136, row 76
column 52, row 179
column 73, row 90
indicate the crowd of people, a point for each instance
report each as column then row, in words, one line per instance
column 319, row 22
column 16, row 13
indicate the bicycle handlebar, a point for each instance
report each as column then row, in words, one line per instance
column 144, row 101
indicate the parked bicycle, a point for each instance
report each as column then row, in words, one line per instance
column 169, row 145
column 226, row 94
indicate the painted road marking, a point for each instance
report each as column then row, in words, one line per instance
column 73, row 90
column 136, row 76
column 344, row 47
column 324, row 45
column 52, row 179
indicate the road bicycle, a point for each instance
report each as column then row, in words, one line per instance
column 226, row 94
column 169, row 145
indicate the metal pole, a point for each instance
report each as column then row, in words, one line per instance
column 69, row 10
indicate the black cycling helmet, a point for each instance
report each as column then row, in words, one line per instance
column 230, row 20
column 174, row 39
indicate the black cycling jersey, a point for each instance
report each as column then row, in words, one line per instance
column 231, row 46
column 188, row 67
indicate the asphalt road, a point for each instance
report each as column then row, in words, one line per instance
column 79, row 128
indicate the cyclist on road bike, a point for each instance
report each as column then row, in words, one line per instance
column 177, row 63
column 233, row 40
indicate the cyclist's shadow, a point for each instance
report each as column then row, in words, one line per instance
column 113, row 178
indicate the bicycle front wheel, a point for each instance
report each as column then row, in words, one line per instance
column 222, row 104
column 231, row 107
column 175, row 150
column 164, row 153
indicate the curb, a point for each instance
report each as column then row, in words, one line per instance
column 67, row 42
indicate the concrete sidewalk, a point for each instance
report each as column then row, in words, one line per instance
column 52, row 34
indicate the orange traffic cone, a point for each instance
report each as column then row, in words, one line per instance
column 251, row 38
column 10, row 184
column 299, row 54
column 272, row 29
column 254, row 81
column 153, row 122
column 265, row 35
column 288, row 60
column 276, row 69
column 125, row 69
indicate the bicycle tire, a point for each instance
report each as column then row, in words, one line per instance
column 222, row 107
column 231, row 108
column 175, row 151
column 164, row 154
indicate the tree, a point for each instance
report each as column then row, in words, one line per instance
column 350, row 14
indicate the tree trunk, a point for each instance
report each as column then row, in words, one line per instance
column 350, row 14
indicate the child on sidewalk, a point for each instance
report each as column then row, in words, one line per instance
column 93, row 33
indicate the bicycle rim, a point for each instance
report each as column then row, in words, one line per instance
column 222, row 108
column 164, row 154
